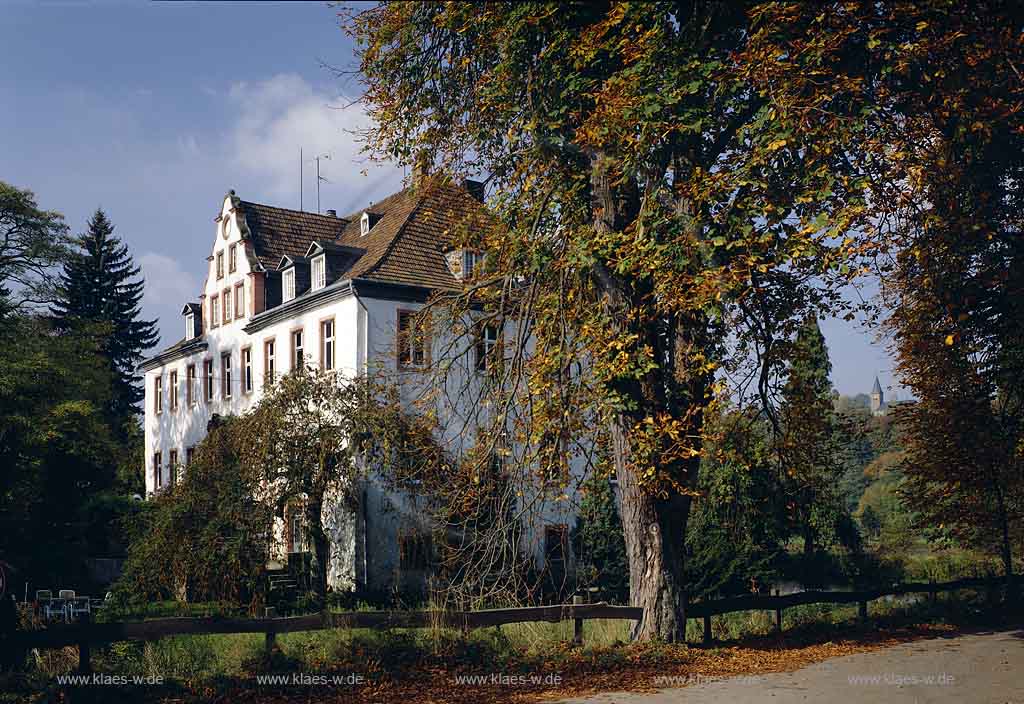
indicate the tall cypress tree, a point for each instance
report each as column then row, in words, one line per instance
column 809, row 464
column 100, row 293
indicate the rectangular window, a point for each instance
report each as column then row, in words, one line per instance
column 269, row 362
column 288, row 284
column 297, row 357
column 158, row 479
column 487, row 347
column 158, row 394
column 220, row 265
column 214, row 310
column 327, row 345
column 208, row 379
column 556, row 544
column 172, row 465
column 190, row 453
column 296, row 544
column 415, row 552
column 174, row 390
column 239, row 301
column 227, row 305
column 232, row 259
column 190, row 385
column 471, row 260
column 412, row 342
column 225, row 375
column 190, row 326
column 319, row 272
column 247, row 370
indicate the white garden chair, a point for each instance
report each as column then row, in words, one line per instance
column 78, row 606
column 56, row 609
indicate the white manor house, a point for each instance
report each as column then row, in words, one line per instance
column 285, row 288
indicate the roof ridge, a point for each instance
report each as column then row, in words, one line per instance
column 290, row 210
column 369, row 208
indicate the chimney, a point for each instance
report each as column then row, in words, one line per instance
column 332, row 212
column 420, row 168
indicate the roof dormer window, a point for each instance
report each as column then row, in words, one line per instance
column 319, row 271
column 464, row 262
column 192, row 313
column 364, row 224
column 288, row 284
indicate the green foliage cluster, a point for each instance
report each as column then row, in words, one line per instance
column 70, row 466
column 58, row 452
column 205, row 538
column 737, row 528
column 32, row 242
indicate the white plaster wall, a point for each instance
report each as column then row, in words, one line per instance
column 390, row 513
column 186, row 427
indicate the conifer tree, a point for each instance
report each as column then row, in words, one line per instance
column 100, row 293
column 809, row 466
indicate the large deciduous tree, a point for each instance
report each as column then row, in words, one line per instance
column 646, row 188
column 957, row 283
column 944, row 142
column 313, row 436
column 101, row 292
column 32, row 242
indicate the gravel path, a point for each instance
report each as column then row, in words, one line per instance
column 980, row 668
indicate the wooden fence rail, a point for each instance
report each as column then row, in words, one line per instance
column 86, row 632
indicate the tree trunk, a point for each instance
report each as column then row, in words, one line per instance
column 654, row 527
column 319, row 551
column 1005, row 549
column 808, row 541
column 655, row 534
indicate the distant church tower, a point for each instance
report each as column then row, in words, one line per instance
column 877, row 399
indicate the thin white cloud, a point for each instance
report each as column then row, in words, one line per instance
column 168, row 285
column 281, row 115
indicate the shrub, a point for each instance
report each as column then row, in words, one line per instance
column 205, row 538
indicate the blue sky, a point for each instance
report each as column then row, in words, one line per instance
column 154, row 111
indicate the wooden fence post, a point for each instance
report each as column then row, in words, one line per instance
column 577, row 623
column 707, row 629
column 84, row 664
column 778, row 616
column 271, row 636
